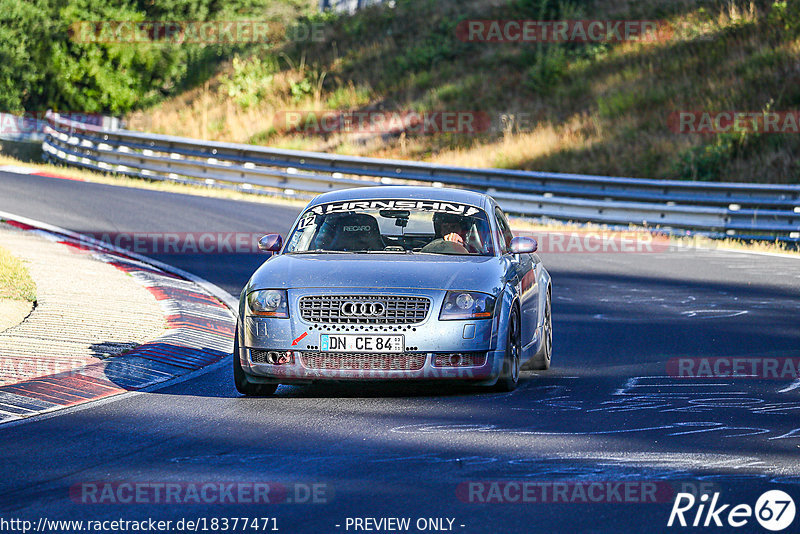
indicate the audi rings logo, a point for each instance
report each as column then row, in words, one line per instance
column 363, row 309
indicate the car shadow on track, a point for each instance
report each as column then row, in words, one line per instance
column 388, row 390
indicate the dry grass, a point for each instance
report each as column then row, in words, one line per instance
column 606, row 114
column 766, row 247
column 514, row 150
column 208, row 112
column 15, row 282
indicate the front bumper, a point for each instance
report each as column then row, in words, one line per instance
column 298, row 373
column 423, row 341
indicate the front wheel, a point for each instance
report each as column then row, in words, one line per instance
column 509, row 377
column 543, row 363
column 243, row 384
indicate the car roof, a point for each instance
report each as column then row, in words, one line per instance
column 441, row 194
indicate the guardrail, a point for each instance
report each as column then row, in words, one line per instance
column 752, row 211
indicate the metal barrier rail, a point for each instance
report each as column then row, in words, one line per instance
column 749, row 210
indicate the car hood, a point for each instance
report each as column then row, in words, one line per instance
column 421, row 271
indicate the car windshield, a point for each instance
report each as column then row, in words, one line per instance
column 393, row 226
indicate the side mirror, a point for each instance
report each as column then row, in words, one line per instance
column 523, row 245
column 270, row 243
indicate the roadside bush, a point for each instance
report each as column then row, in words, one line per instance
column 250, row 79
column 45, row 63
column 787, row 13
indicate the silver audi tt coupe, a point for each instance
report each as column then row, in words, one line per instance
column 394, row 283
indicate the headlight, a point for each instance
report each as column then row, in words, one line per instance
column 269, row 303
column 466, row 305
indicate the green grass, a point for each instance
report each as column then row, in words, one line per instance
column 15, row 282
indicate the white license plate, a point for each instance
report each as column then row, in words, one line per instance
column 361, row 343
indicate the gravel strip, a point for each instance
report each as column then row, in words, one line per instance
column 86, row 310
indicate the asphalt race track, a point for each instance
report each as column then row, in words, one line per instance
column 607, row 411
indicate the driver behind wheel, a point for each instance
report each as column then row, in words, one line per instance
column 453, row 228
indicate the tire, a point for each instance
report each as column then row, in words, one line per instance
column 509, row 376
column 243, row 384
column 543, row 363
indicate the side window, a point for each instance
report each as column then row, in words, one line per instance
column 505, row 236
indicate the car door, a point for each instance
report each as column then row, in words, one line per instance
column 527, row 281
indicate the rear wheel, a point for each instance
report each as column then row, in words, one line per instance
column 543, row 363
column 243, row 384
column 509, row 377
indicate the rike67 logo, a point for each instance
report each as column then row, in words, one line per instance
column 774, row 510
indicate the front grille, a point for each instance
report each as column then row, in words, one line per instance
column 258, row 356
column 396, row 310
column 366, row 362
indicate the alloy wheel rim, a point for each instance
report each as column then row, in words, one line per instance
column 515, row 348
column 548, row 322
